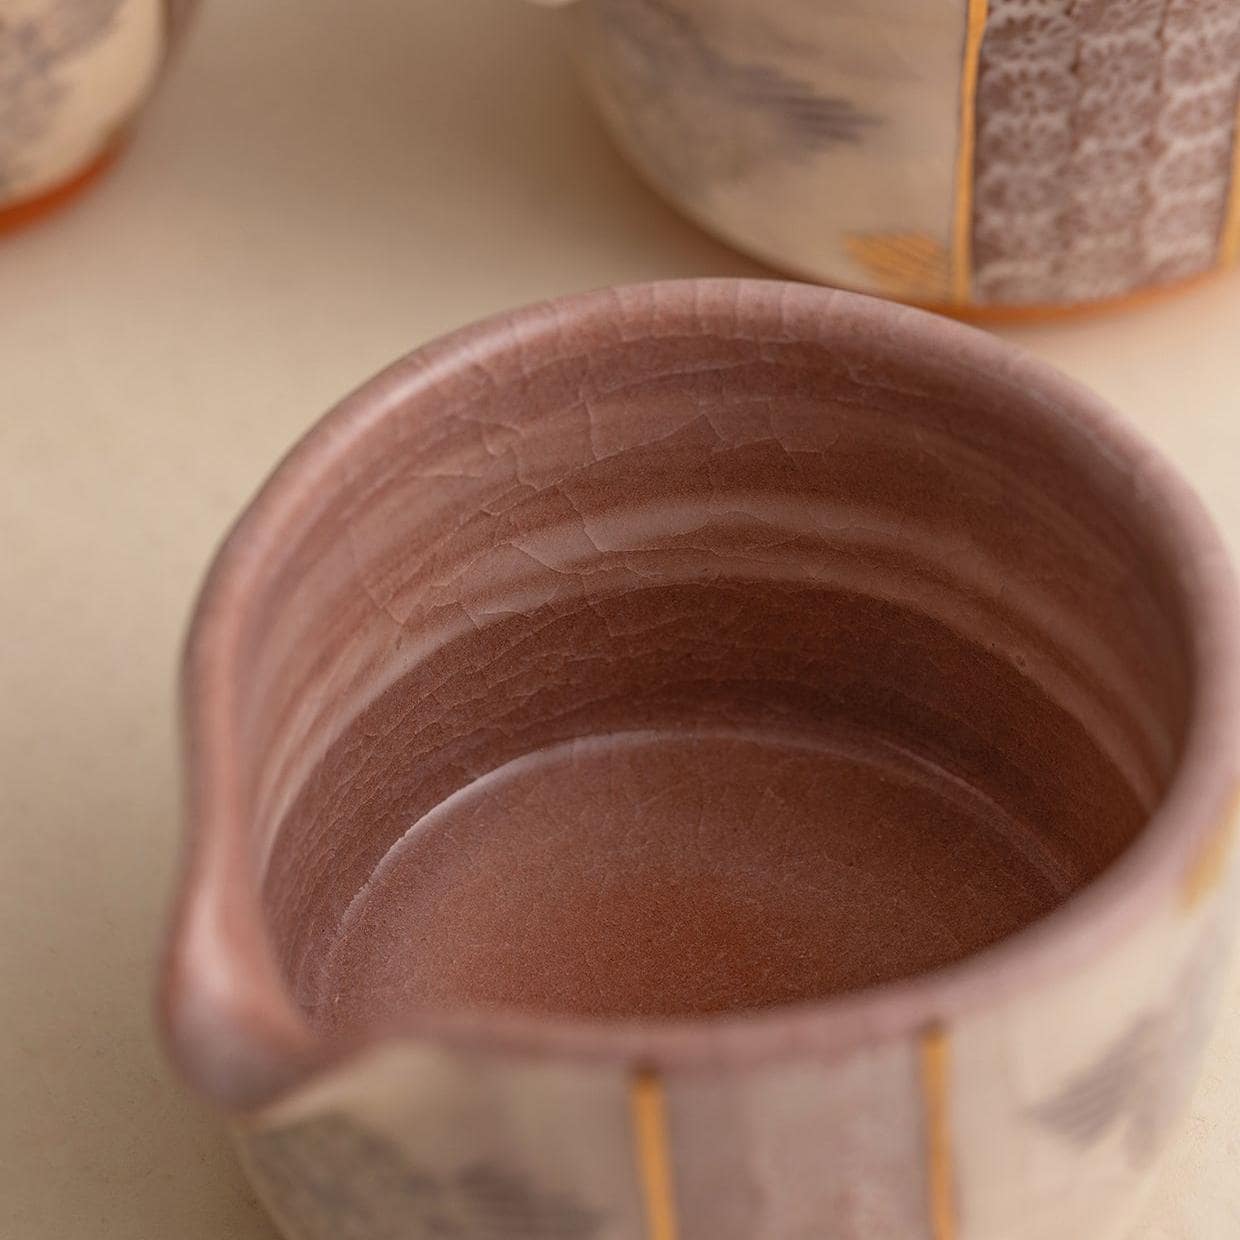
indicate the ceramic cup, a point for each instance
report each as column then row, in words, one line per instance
column 73, row 76
column 987, row 156
column 708, row 759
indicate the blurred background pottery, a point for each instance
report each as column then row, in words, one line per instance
column 716, row 758
column 74, row 75
column 1006, row 158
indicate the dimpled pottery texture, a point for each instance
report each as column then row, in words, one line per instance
column 1002, row 155
column 73, row 75
column 716, row 758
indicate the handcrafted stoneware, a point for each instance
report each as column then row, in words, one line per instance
column 73, row 76
column 710, row 759
column 1001, row 157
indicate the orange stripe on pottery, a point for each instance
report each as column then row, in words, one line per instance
column 654, row 1160
column 1229, row 249
column 1210, row 864
column 962, row 227
column 940, row 1172
column 909, row 266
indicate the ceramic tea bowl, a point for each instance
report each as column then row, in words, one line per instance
column 714, row 758
column 74, row 74
column 993, row 157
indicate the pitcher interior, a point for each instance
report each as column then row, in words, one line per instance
column 667, row 672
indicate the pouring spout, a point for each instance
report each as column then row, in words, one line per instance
column 225, row 1018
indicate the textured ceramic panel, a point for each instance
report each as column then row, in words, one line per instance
column 415, row 1142
column 822, row 136
column 1104, row 145
column 1062, row 1101
column 803, row 1150
column 72, row 72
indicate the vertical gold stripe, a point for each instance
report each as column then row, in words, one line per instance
column 654, row 1158
column 940, row 1174
column 962, row 226
column 1229, row 250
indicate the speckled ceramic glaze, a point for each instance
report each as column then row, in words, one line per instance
column 710, row 759
column 73, row 75
column 1000, row 156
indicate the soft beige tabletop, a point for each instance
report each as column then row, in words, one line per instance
column 322, row 186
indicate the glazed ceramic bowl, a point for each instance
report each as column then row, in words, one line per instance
column 73, row 76
column 1001, row 156
column 714, row 758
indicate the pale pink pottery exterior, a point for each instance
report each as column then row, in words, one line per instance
column 512, row 489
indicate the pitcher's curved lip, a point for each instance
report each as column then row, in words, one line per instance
column 231, row 1024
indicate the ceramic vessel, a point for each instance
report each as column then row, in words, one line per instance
column 73, row 76
column 1016, row 155
column 714, row 758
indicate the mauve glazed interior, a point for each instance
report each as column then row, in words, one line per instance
column 662, row 664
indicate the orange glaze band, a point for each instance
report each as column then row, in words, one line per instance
column 962, row 225
column 648, row 1106
column 940, row 1171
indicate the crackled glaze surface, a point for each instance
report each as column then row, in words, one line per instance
column 602, row 700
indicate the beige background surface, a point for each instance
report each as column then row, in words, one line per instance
column 321, row 187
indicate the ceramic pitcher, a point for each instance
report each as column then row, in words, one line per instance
column 512, row 901
column 992, row 155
